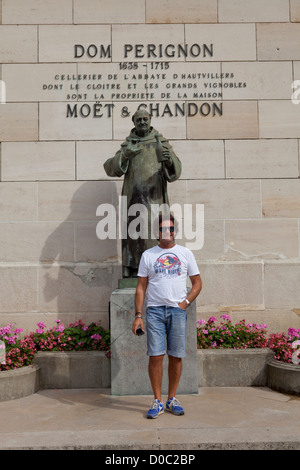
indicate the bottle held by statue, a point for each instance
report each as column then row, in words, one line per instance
column 161, row 150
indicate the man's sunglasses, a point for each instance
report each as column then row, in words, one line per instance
column 164, row 229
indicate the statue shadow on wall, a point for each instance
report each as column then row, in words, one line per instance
column 78, row 270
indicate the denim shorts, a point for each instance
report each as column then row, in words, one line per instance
column 166, row 329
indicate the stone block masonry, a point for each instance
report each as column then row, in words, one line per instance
column 222, row 81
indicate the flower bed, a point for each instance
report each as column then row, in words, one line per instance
column 18, row 352
column 286, row 347
column 227, row 335
column 223, row 348
column 15, row 351
column 62, row 357
column 243, row 355
column 284, row 369
column 73, row 356
column 232, row 355
column 75, row 337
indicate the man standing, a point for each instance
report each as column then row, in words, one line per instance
column 148, row 163
column 162, row 273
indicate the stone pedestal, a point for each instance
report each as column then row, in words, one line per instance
column 129, row 360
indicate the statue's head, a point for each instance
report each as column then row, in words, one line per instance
column 142, row 122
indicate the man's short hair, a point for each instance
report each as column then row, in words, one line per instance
column 161, row 218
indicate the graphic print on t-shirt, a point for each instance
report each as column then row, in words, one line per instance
column 167, row 265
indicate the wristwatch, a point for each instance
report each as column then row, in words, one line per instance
column 187, row 301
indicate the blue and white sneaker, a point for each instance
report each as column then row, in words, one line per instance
column 156, row 409
column 174, row 407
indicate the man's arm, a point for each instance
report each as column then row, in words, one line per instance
column 194, row 292
column 139, row 302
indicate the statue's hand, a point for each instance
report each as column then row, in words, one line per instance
column 132, row 149
column 165, row 155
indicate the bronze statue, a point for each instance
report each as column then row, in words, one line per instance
column 148, row 162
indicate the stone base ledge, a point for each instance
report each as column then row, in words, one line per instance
column 73, row 369
column 284, row 377
column 19, row 383
column 92, row 369
column 233, row 367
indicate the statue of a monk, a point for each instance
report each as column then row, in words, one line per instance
column 148, row 163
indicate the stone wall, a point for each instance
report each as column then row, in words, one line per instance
column 242, row 165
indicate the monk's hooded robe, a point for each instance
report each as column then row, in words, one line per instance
column 145, row 182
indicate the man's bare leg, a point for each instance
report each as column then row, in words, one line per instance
column 175, row 368
column 155, row 374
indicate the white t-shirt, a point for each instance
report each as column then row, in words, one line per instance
column 167, row 271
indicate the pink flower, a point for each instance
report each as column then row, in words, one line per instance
column 225, row 316
column 96, row 337
column 294, row 332
column 212, row 319
column 17, row 331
